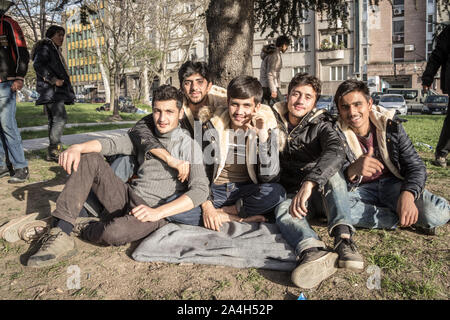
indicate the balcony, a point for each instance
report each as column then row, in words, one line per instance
column 330, row 54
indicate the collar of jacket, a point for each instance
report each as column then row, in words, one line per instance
column 221, row 123
column 215, row 100
column 281, row 108
column 379, row 117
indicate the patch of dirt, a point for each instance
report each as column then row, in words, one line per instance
column 411, row 265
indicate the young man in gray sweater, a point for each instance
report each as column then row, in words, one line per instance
column 136, row 209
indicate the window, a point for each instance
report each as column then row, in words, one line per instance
column 398, row 27
column 399, row 54
column 430, row 26
column 338, row 73
column 339, row 39
column 399, row 2
column 300, row 44
column 429, row 48
column 302, row 69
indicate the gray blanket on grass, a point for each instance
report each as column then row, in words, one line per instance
column 239, row 245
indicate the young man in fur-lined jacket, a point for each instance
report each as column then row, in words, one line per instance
column 205, row 102
column 311, row 157
column 385, row 175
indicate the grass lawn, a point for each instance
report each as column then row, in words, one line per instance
column 29, row 115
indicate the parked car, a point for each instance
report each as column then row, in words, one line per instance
column 435, row 104
column 394, row 101
column 414, row 97
column 325, row 102
column 376, row 97
column 98, row 100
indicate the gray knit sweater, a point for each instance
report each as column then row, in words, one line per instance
column 156, row 181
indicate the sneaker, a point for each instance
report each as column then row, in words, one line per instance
column 427, row 231
column 55, row 246
column 33, row 230
column 53, row 153
column 313, row 268
column 20, row 175
column 440, row 162
column 4, row 171
column 349, row 258
column 9, row 231
column 81, row 223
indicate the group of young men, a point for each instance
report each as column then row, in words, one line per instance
column 207, row 156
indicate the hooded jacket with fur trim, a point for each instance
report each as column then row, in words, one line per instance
column 312, row 151
column 397, row 151
column 50, row 65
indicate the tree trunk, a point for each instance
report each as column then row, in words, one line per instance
column 230, row 26
column 116, row 115
column 105, row 78
column 145, row 87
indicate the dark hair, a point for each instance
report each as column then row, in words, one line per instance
column 168, row 92
column 189, row 68
column 349, row 86
column 282, row 40
column 245, row 87
column 302, row 78
column 52, row 30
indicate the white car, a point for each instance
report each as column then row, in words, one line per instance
column 394, row 101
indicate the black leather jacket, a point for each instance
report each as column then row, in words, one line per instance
column 402, row 155
column 313, row 150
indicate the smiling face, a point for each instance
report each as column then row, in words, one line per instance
column 241, row 111
column 301, row 100
column 58, row 38
column 195, row 88
column 354, row 110
column 166, row 115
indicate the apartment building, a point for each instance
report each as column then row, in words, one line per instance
column 81, row 56
column 385, row 45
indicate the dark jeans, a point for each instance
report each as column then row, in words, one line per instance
column 57, row 118
column 117, row 197
column 267, row 97
column 443, row 145
column 255, row 198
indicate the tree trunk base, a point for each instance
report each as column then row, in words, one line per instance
column 115, row 118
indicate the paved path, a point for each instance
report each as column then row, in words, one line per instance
column 71, row 125
column 42, row 143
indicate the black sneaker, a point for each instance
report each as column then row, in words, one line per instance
column 20, row 175
column 4, row 171
column 349, row 258
column 314, row 267
column 440, row 162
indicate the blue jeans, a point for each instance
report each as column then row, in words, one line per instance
column 298, row 232
column 374, row 205
column 254, row 198
column 9, row 130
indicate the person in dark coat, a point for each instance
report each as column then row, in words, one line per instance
column 53, row 85
column 385, row 176
column 14, row 59
column 440, row 57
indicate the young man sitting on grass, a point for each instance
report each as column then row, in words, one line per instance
column 385, row 175
column 136, row 209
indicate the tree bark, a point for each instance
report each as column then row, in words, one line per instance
column 230, row 25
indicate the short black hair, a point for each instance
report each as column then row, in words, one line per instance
column 52, row 30
column 189, row 68
column 168, row 92
column 349, row 86
column 282, row 40
column 245, row 87
column 303, row 78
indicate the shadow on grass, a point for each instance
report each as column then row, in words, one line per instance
column 38, row 196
